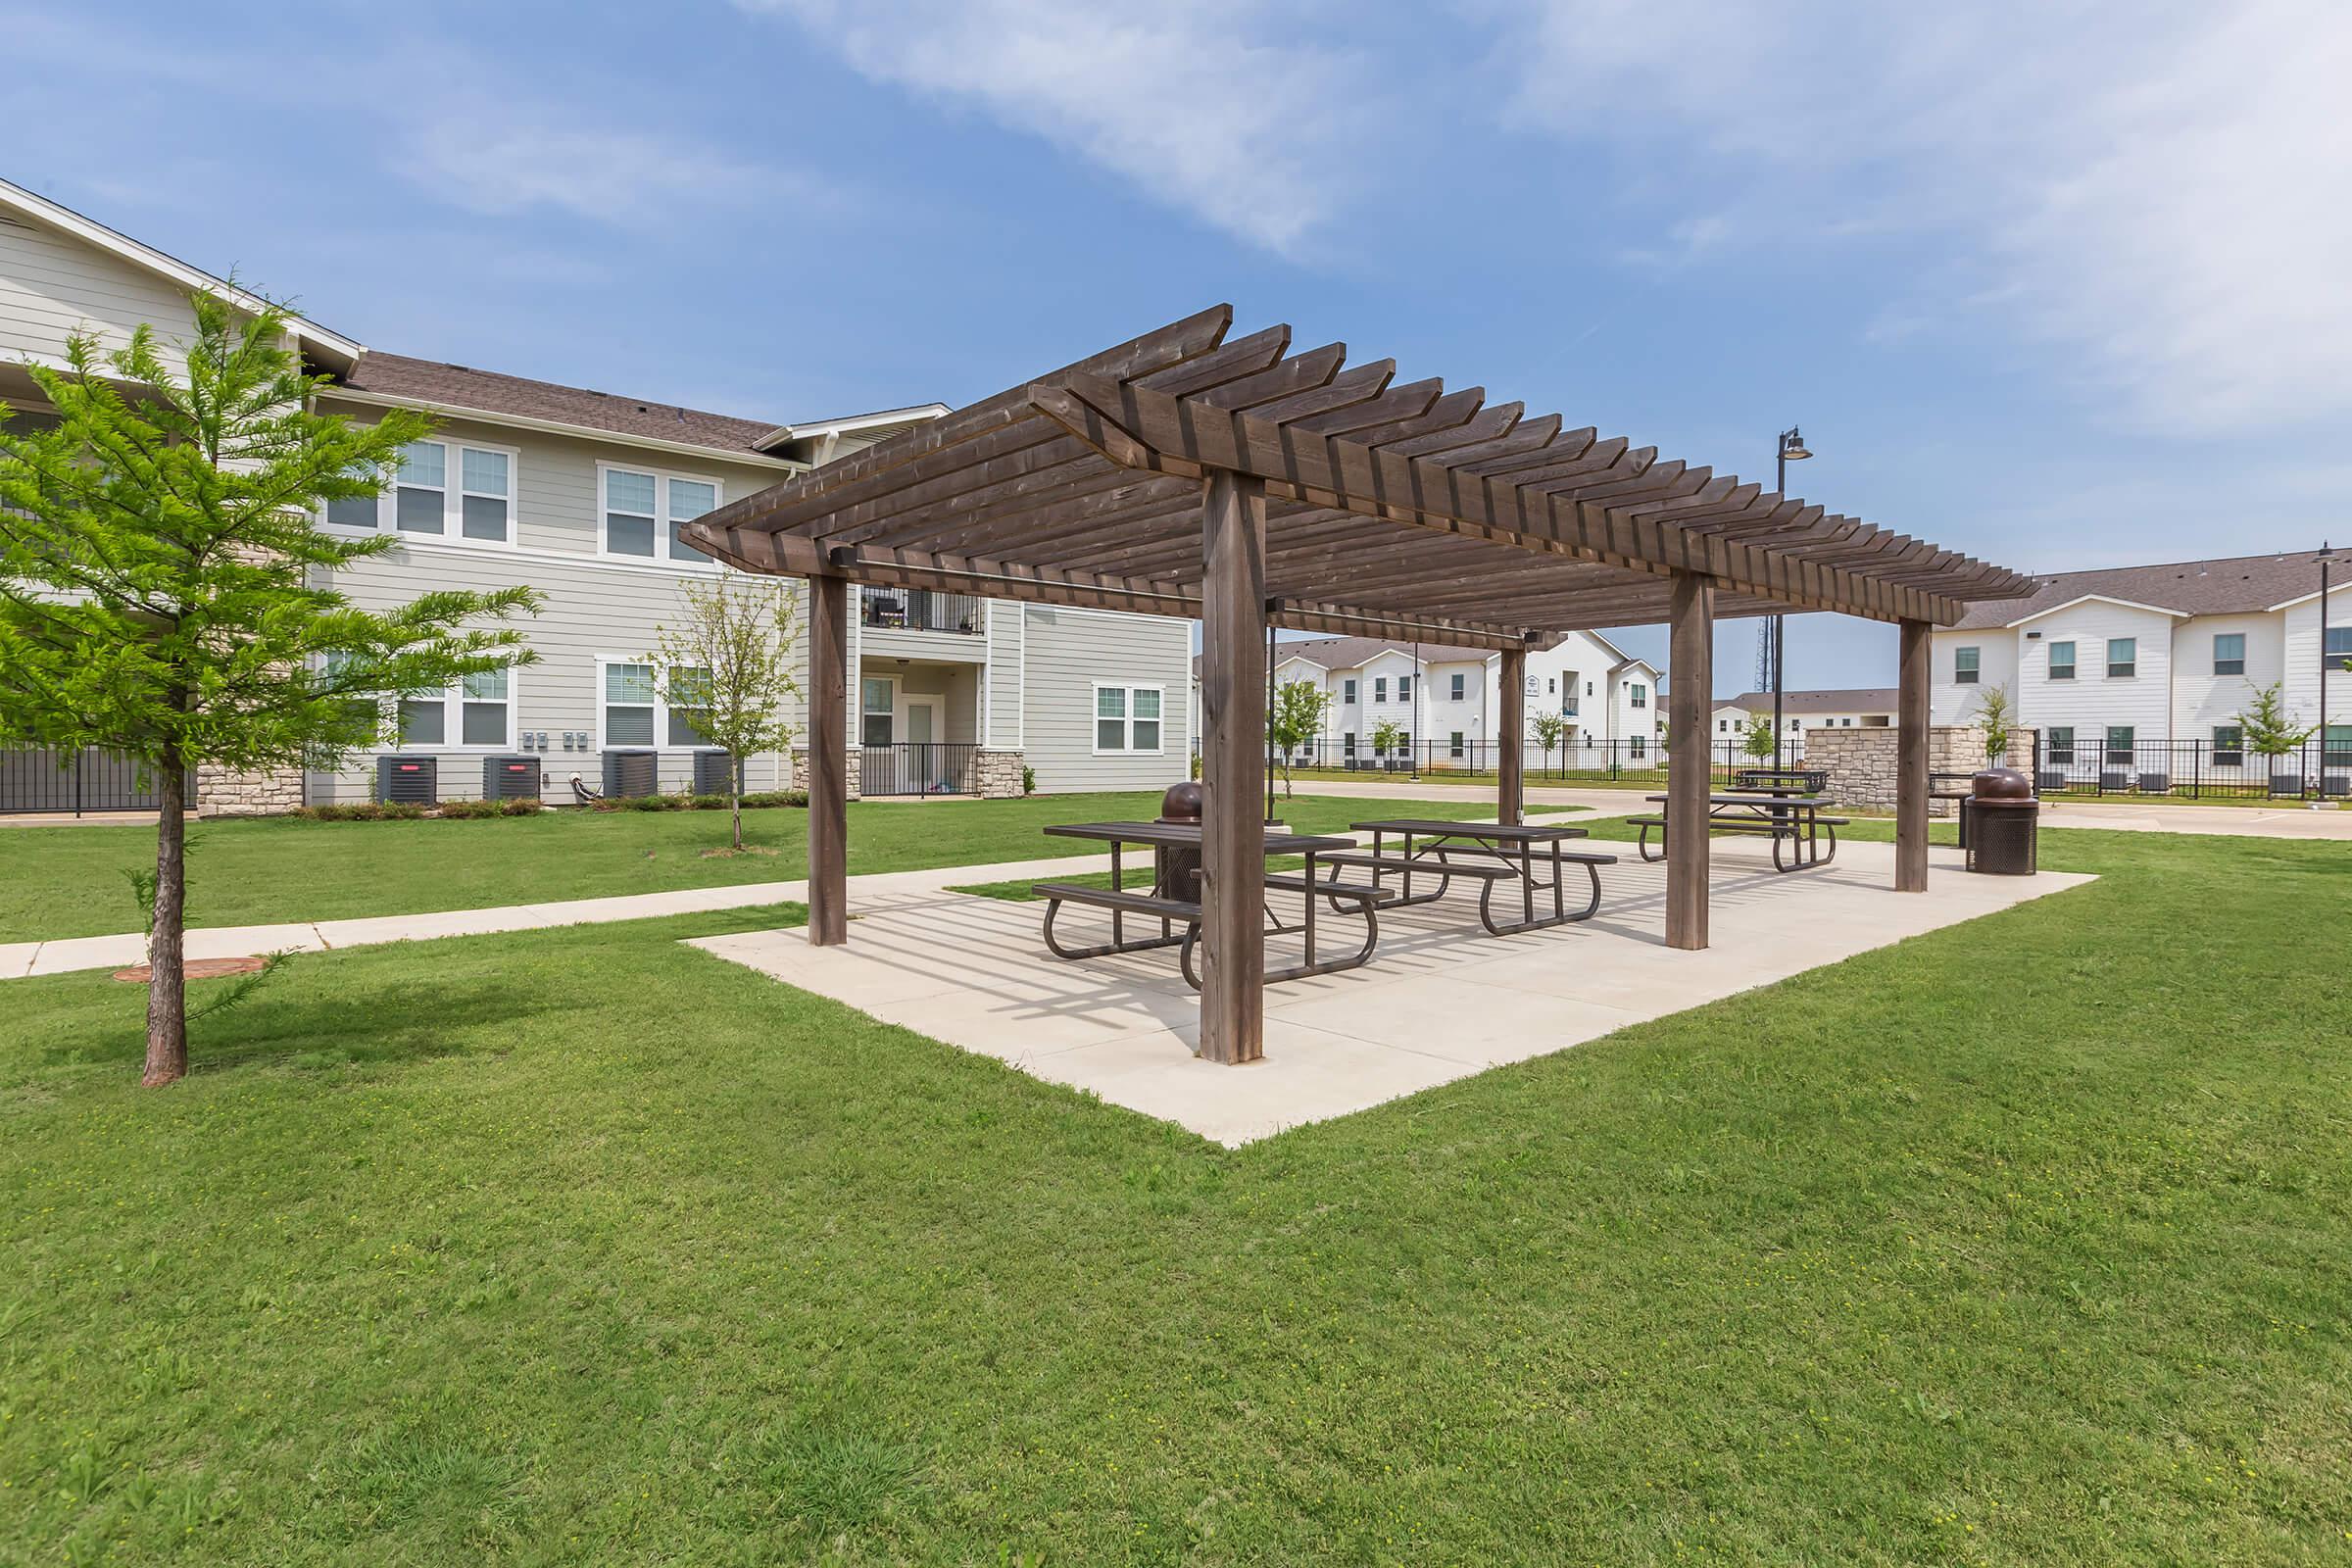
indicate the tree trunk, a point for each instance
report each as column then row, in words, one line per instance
column 735, row 799
column 167, row 984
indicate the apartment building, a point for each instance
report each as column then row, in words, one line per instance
column 1858, row 707
column 1446, row 701
column 584, row 494
column 2140, row 673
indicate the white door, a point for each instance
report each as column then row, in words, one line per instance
column 922, row 715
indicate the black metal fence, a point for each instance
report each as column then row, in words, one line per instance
column 916, row 767
column 2185, row 769
column 921, row 609
column 36, row 780
column 1575, row 761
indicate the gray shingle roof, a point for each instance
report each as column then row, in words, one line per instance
column 1857, row 699
column 459, row 387
column 2229, row 586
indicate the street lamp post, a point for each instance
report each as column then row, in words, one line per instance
column 1790, row 447
column 2326, row 557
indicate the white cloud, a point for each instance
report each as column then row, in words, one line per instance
column 1216, row 107
column 539, row 161
column 2158, row 189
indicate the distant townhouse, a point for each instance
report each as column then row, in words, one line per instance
column 2140, row 674
column 1863, row 707
column 584, row 494
column 1446, row 701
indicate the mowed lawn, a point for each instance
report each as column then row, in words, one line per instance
column 72, row 881
column 2027, row 1242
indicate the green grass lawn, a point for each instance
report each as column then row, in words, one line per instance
column 2027, row 1242
column 71, row 882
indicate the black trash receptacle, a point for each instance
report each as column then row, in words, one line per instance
column 1177, row 868
column 2004, row 822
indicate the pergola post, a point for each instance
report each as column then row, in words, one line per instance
column 828, row 761
column 1232, row 768
column 1911, row 760
column 1510, row 756
column 1690, row 774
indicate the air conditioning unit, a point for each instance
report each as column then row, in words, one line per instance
column 408, row 780
column 2155, row 784
column 631, row 773
column 510, row 778
column 711, row 774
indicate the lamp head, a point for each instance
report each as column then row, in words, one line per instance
column 1793, row 445
column 2326, row 554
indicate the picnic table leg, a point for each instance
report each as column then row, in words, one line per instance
column 1309, row 894
column 1118, row 930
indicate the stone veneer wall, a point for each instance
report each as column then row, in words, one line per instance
column 222, row 793
column 1861, row 763
column 997, row 776
column 855, row 767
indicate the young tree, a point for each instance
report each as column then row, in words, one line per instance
column 2270, row 730
column 1296, row 721
column 163, row 593
column 1998, row 720
column 1388, row 736
column 1756, row 738
column 1551, row 730
column 727, row 669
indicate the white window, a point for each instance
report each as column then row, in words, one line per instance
column 877, row 710
column 1380, row 688
column 629, row 704
column 477, row 714
column 646, row 512
column 1636, row 695
column 444, row 490
column 1349, row 696
column 1127, row 719
column 1404, row 688
column 1459, row 678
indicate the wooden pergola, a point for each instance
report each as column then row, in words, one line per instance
column 1184, row 473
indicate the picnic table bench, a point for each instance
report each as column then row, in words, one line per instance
column 1170, row 912
column 1493, row 854
column 1795, row 824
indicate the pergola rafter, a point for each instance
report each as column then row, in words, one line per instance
column 1186, row 475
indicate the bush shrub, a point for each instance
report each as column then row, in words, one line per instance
column 364, row 811
column 470, row 811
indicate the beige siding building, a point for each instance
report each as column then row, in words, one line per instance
column 582, row 494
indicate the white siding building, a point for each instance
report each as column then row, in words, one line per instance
column 581, row 494
column 1446, row 701
column 1866, row 708
column 2139, row 675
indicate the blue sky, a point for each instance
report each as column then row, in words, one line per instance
column 2057, row 284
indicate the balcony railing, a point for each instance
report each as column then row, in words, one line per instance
column 920, row 610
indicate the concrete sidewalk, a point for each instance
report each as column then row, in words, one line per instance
column 21, row 960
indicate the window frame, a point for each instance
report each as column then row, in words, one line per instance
column 2229, row 752
column 2239, row 661
column 601, row 733
column 662, row 519
column 1971, row 673
column 1637, row 694
column 2070, row 666
column 1458, row 687
column 453, row 706
column 2129, row 666
column 889, row 709
column 2342, row 637
column 1096, row 718
column 453, row 500
column 1379, row 688
column 2130, row 746
column 1347, row 691
column 2052, row 745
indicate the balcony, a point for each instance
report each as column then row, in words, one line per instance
column 920, row 610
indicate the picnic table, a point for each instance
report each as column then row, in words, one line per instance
column 1795, row 822
column 1495, row 855
column 1170, row 908
column 1779, row 780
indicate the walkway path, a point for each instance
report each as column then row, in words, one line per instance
column 24, row 960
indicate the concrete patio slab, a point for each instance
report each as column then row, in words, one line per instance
column 1440, row 1000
